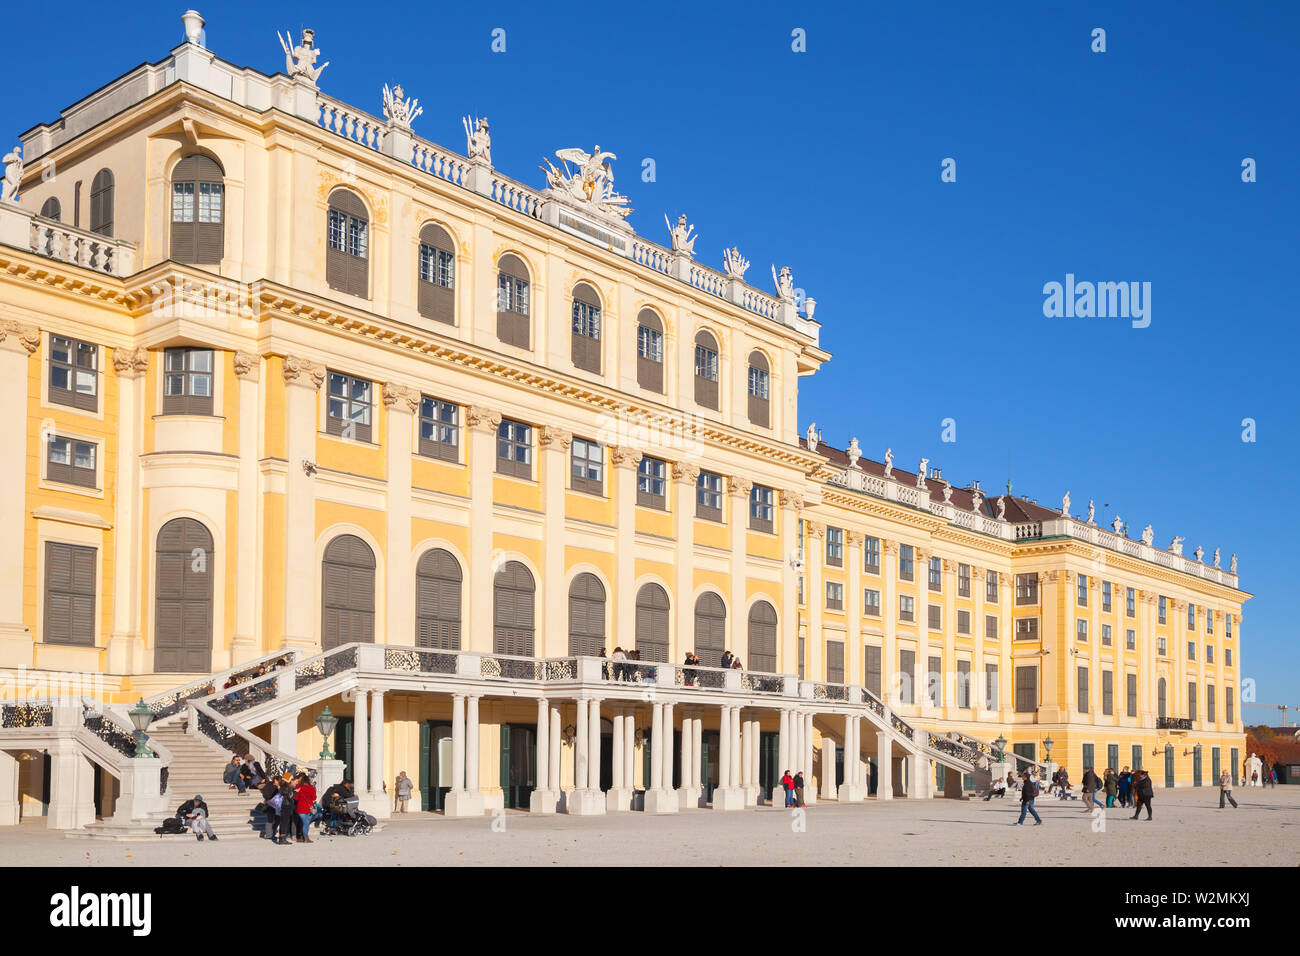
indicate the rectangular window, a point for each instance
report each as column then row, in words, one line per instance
column 1130, row 602
column 906, row 608
column 182, row 202
column 651, row 483
column 1191, row 617
column 649, row 343
column 187, row 381
column 934, row 682
column 991, row 587
column 934, row 618
column 1081, row 629
column 758, row 382
column 514, row 449
column 906, row 562
column 439, row 429
column 963, row 684
column 1209, row 703
column 1026, row 629
column 871, row 555
column 1209, row 621
column 1161, row 648
column 1107, row 693
column 906, row 677
column 871, row 602
column 1162, row 610
column 348, row 234
column 934, row 574
column 1105, row 635
column 872, row 669
column 1131, row 694
column 587, row 467
column 990, row 627
column 1136, row 762
column 990, row 686
column 835, row 662
column 1228, row 702
column 963, row 622
column 1191, row 700
column 586, row 319
column 799, row 589
column 1227, row 626
column 1081, row 592
column 1191, row 650
column 211, row 196
column 1105, row 595
column 348, row 407
column 1130, row 640
column 512, row 294
column 834, row 596
column 74, row 373
column 1227, row 656
column 1082, row 688
column 1027, row 588
column 1026, row 690
column 835, row 547
column 69, row 594
column 437, row 266
column 71, row 461
column 708, row 496
column 963, row 580
column 706, row 363
column 761, row 504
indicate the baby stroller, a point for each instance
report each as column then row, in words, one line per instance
column 345, row 818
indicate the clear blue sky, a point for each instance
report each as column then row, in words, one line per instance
column 1117, row 166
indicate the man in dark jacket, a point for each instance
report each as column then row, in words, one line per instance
column 340, row 791
column 269, row 789
column 195, row 815
column 1091, row 783
column 288, row 814
column 798, row 788
column 1142, row 792
column 252, row 772
column 1028, row 792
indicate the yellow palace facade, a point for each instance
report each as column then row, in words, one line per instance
column 288, row 386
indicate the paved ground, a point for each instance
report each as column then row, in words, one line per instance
column 1188, row 829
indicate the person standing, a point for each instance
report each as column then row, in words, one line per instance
column 271, row 790
column 287, row 809
column 787, row 782
column 304, row 796
column 727, row 658
column 620, row 669
column 1091, row 784
column 1142, row 793
column 798, row 789
column 1125, row 786
column 1111, row 785
column 1225, row 790
column 1028, row 793
column 402, row 789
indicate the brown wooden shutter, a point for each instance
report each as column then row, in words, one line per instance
column 347, row 592
column 438, row 601
column 586, row 616
column 344, row 271
column 710, row 629
column 199, row 242
column 759, row 408
column 585, row 349
column 436, row 302
column 706, row 389
column 101, row 203
column 872, row 669
column 512, row 611
column 762, row 638
column 907, row 676
column 69, row 594
column 649, row 373
column 835, row 662
column 652, row 623
column 183, row 595
column 514, row 328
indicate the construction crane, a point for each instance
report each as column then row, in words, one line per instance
column 1282, row 707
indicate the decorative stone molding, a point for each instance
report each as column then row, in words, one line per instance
column 792, row 498
column 130, row 363
column 891, row 547
column 624, row 457
column 1054, row 575
column 305, row 372
column 949, row 566
column 684, row 471
column 28, row 336
column 1093, row 584
column 855, row 539
column 248, row 365
column 401, row 397
column 550, row 435
column 479, row 416
column 814, row 529
column 739, row 487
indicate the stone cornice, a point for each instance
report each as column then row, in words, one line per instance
column 304, row 372
column 549, row 435
column 480, row 416
column 401, row 397
column 130, row 363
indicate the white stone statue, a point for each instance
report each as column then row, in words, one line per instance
column 1002, row 508
column 1232, row 565
column 1176, row 546
column 591, row 184
column 478, row 139
column 1254, row 772
column 1117, row 524
column 13, row 161
column 683, row 241
column 784, row 284
column 855, row 452
column 1199, row 552
column 301, row 59
column 1216, row 557
column 947, row 492
column 1092, row 511
column 921, row 472
column 976, row 500
column 889, row 462
column 1148, row 535
column 398, row 110
column 1065, row 505
column 734, row 263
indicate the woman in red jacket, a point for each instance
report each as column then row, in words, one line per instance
column 304, row 795
column 787, row 781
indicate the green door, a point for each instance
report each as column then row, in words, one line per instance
column 769, row 774
column 1215, row 767
column 1137, row 756
column 518, row 763
column 1169, row 765
column 709, row 743
column 1089, row 753
column 435, row 764
column 1196, row 767
column 1112, row 757
column 1235, row 764
column 343, row 745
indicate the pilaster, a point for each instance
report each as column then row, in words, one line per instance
column 17, row 344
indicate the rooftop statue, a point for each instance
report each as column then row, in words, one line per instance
column 813, row 436
column 1065, row 505
column 13, row 161
column 301, row 59
column 1117, row 524
column 1199, row 552
column 734, row 263
column 1176, row 546
column 478, row 140
column 889, row 462
column 1148, row 535
column 947, row 492
column 591, row 184
column 398, row 110
column 1092, row 512
column 855, row 452
column 784, row 284
column 1216, row 557
column 1002, row 508
column 1232, row 567
column 683, row 241
column 976, row 500
column 920, row 472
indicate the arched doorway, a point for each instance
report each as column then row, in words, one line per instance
column 437, row 601
column 347, row 593
column 183, row 598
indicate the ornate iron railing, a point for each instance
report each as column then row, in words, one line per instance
column 325, row 665
column 511, row 668
column 174, row 700
column 873, row 703
column 118, row 738
column 757, row 683
column 244, row 697
column 954, row 748
column 1173, row 723
column 560, row 669
column 632, row 672
column 419, row 660
column 830, row 692
column 241, row 743
column 26, row 715
column 900, row 725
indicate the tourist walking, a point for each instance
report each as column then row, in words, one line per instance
column 304, row 796
column 1225, row 790
column 1142, row 793
column 798, row 789
column 1111, row 786
column 1028, row 793
column 1091, row 783
column 402, row 788
column 787, row 782
column 1064, row 782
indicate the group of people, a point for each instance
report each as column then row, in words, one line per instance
column 1270, row 778
column 1129, row 788
column 793, row 788
column 242, row 773
column 690, row 678
column 289, row 802
column 623, row 670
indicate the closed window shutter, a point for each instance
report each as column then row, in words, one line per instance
column 586, row 616
column 69, row 594
column 51, row 209
column 347, row 593
column 872, row 666
column 907, row 672
column 101, row 203
column 652, row 623
column 438, row 584
column 710, row 629
column 513, row 592
column 762, row 638
column 835, row 662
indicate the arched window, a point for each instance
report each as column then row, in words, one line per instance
column 512, row 610
column 347, row 592
column 183, row 598
column 759, row 386
column 762, row 638
column 51, row 209
column 1160, row 698
column 650, row 351
column 710, row 628
column 652, row 623
column 513, row 301
column 437, row 275
column 101, row 203
column 586, row 616
column 437, row 602
column 347, row 252
column 586, row 328
column 198, row 211
column 706, row 370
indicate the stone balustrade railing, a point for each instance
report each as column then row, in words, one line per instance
column 52, row 239
column 350, row 123
column 173, row 701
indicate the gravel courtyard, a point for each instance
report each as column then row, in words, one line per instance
column 1188, row 829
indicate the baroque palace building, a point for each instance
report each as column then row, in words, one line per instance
column 300, row 400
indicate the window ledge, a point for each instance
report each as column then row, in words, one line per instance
column 348, row 441
column 48, row 485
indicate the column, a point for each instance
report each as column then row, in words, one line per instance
column 593, row 744
column 724, row 748
column 9, row 805
column 889, row 673
column 686, row 796
column 884, row 766
column 382, row 801
column 553, row 468
column 948, row 670
column 361, row 745
column 748, row 764
column 586, row 798
column 666, row 781
column 729, row 794
column 656, row 747
column 756, row 759
column 814, row 559
column 810, row 790
column 697, row 750
column 555, row 739
column 302, row 378
column 685, row 477
column 788, row 639
column 126, row 644
column 629, row 749
column 546, row 797
column 624, row 462
column 828, row 767
column 581, row 728
column 853, row 789
column 401, row 402
column 853, row 664
column 543, row 746
column 783, row 744
column 244, row 644
column 481, row 437
column 465, row 798
column 17, row 343
column 738, row 490
column 921, row 594
column 659, row 795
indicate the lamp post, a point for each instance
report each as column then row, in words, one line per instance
column 1000, row 745
column 326, row 723
column 1047, row 746
column 141, row 717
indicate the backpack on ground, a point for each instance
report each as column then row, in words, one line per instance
column 171, row 825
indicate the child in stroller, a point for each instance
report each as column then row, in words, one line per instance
column 343, row 817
